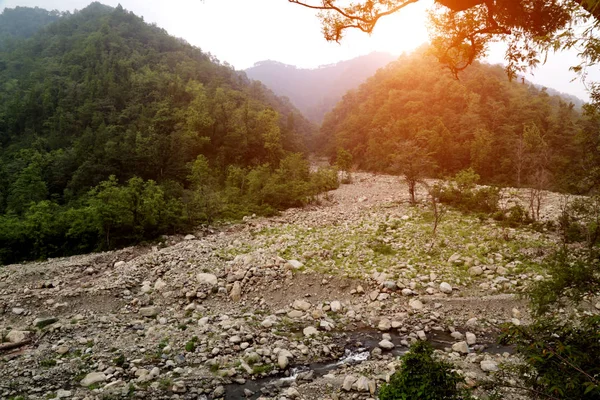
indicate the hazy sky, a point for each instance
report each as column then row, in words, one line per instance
column 243, row 32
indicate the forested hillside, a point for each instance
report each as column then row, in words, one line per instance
column 316, row 91
column 509, row 132
column 112, row 131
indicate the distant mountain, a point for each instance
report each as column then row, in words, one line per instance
column 316, row 91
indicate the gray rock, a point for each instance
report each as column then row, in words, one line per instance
column 236, row 292
column 283, row 358
column 18, row 310
column 16, row 336
column 415, row 304
column 294, row 264
column 386, row 344
column 335, row 306
column 301, row 305
column 310, row 331
column 207, row 279
column 475, row 271
column 406, row 292
column 149, row 311
column 189, row 237
column 488, row 366
column 44, row 322
column 445, row 287
column 63, row 394
column 461, row 347
column 471, row 338
column 348, row 382
column 361, row 384
column 384, row 324
column 219, row 391
column 93, row 377
column 159, row 285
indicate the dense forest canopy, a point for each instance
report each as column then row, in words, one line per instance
column 316, row 91
column 100, row 94
column 509, row 133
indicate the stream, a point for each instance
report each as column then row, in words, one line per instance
column 358, row 347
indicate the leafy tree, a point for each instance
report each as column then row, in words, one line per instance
column 461, row 30
column 343, row 161
column 414, row 163
column 422, row 376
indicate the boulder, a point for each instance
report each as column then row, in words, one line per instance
column 415, row 304
column 445, row 287
column 310, row 331
column 16, row 336
column 295, row 264
column 335, row 306
column 207, row 279
column 471, row 338
column 384, row 324
column 475, row 271
column 149, row 312
column 461, row 347
column 301, row 305
column 348, row 382
column 488, row 366
column 92, row 378
column 236, row 292
column 386, row 344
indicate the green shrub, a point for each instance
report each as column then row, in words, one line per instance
column 561, row 357
column 425, row 378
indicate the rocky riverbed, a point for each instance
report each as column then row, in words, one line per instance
column 316, row 303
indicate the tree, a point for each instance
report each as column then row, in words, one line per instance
column 343, row 161
column 461, row 30
column 414, row 163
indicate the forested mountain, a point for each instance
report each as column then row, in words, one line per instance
column 98, row 99
column 509, row 132
column 316, row 91
column 23, row 22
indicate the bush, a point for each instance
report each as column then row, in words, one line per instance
column 425, row 378
column 561, row 357
column 461, row 193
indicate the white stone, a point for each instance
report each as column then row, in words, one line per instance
column 445, row 287
column 295, row 264
column 236, row 292
column 16, row 336
column 159, row 284
column 310, row 331
column 335, row 306
column 301, row 305
column 415, row 304
column 461, row 347
column 93, row 377
column 209, row 279
column 488, row 366
column 348, row 382
column 386, row 344
column 471, row 338
column 384, row 324
column 189, row 237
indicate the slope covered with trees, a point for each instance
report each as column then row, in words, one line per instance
column 508, row 132
column 112, row 131
column 316, row 91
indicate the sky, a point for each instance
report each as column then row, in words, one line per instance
column 242, row 32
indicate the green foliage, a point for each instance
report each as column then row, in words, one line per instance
column 343, row 160
column 561, row 357
column 122, row 133
column 461, row 192
column 423, row 377
column 507, row 132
